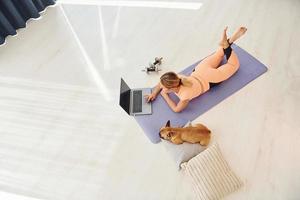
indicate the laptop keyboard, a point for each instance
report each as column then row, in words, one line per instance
column 137, row 101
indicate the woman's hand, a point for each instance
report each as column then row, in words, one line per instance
column 150, row 97
column 164, row 93
column 167, row 91
column 153, row 95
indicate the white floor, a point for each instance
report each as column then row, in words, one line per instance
column 63, row 135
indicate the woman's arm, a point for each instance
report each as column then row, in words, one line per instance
column 157, row 89
column 154, row 93
column 176, row 108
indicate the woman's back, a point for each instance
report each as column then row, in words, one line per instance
column 196, row 88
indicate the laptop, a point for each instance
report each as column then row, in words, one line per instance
column 133, row 101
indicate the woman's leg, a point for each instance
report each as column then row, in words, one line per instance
column 214, row 59
column 216, row 75
column 219, row 74
column 226, row 43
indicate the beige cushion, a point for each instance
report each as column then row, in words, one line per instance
column 210, row 174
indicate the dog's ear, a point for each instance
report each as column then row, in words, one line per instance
column 168, row 123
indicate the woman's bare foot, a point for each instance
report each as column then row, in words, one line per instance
column 224, row 43
column 241, row 31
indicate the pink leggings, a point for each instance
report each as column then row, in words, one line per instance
column 210, row 70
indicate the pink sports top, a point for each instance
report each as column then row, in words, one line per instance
column 199, row 87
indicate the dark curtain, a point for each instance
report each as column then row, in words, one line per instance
column 15, row 13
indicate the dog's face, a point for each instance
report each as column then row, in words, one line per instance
column 166, row 132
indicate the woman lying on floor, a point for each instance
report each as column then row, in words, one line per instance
column 206, row 74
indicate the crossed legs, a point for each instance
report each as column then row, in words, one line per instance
column 209, row 67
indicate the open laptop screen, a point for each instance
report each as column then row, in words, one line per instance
column 124, row 96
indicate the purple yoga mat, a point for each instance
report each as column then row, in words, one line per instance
column 250, row 69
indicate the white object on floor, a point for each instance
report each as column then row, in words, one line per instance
column 211, row 176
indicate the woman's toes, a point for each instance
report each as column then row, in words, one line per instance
column 243, row 29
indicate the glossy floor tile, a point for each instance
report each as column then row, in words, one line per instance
column 63, row 135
